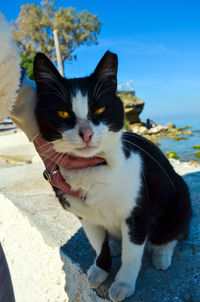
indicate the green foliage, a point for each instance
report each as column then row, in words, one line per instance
column 127, row 126
column 27, row 63
column 183, row 128
column 33, row 29
column 196, row 146
column 172, row 154
column 197, row 154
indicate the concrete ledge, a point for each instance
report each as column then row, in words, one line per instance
column 48, row 253
column 33, row 227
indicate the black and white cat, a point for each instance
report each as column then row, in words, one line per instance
column 136, row 196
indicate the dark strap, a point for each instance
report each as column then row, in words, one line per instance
column 6, row 289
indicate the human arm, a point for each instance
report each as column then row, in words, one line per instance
column 53, row 159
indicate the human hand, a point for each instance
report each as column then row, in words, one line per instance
column 52, row 159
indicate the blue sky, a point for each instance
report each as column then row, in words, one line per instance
column 158, row 45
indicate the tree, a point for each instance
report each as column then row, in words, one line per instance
column 27, row 63
column 33, row 29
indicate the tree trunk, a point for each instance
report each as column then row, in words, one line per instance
column 58, row 54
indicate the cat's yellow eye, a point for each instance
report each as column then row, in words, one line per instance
column 63, row 114
column 100, row 110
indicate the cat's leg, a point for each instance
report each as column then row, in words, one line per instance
column 124, row 284
column 98, row 238
column 162, row 255
column 115, row 247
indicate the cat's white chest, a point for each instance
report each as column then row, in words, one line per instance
column 110, row 193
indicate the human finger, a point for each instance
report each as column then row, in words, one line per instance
column 58, row 181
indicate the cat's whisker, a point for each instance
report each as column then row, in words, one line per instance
column 141, row 138
column 53, row 157
column 47, row 143
column 65, row 157
column 49, row 155
column 54, row 79
column 48, row 81
column 58, row 160
column 44, row 146
column 52, row 160
column 100, row 83
column 153, row 160
column 105, row 91
column 147, row 191
column 62, row 96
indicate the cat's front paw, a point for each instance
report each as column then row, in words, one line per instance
column 161, row 260
column 96, row 276
column 121, row 290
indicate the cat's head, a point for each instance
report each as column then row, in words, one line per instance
column 80, row 116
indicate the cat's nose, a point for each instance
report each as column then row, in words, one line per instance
column 86, row 134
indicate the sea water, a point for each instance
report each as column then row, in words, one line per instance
column 183, row 148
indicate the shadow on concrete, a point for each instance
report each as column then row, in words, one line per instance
column 180, row 283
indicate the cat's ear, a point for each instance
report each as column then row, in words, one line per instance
column 106, row 70
column 45, row 73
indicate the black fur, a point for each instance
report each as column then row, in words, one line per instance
column 59, row 194
column 104, row 260
column 163, row 208
column 55, row 93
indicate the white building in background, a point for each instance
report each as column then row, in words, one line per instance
column 126, row 86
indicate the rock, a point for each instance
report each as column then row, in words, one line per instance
column 184, row 128
column 197, row 154
column 170, row 125
column 139, row 130
column 133, row 106
column 17, row 147
column 48, row 252
column 172, row 154
column 194, row 162
column 157, row 129
column 196, row 146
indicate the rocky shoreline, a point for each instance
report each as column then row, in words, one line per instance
column 157, row 132
column 133, row 107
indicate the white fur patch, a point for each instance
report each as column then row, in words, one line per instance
column 124, row 285
column 80, row 105
column 96, row 276
column 162, row 255
column 111, row 192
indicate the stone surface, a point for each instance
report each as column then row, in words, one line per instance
column 181, row 282
column 33, row 227
column 17, row 147
column 170, row 125
column 133, row 106
column 40, row 239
